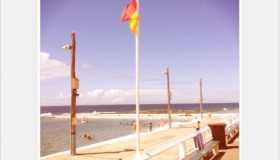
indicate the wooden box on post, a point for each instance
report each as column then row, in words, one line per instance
column 75, row 83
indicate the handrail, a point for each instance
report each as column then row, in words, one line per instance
column 182, row 142
column 163, row 148
column 230, row 121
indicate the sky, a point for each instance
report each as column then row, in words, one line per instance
column 195, row 39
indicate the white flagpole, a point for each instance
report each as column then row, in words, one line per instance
column 137, row 87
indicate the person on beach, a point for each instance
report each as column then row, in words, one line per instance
column 209, row 114
column 85, row 120
column 134, row 126
column 198, row 125
column 151, row 126
column 140, row 126
column 161, row 123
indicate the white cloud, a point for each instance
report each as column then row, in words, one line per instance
column 62, row 96
column 147, row 96
column 50, row 68
column 112, row 96
column 118, row 96
column 86, row 65
column 95, row 93
column 115, row 93
column 118, row 100
column 81, row 95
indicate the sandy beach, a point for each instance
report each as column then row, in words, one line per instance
column 141, row 116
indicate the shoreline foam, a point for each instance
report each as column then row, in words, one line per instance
column 193, row 115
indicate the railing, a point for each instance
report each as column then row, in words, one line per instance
column 231, row 120
column 207, row 137
column 182, row 145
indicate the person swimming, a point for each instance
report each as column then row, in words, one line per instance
column 87, row 136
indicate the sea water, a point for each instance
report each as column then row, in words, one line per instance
column 55, row 132
column 81, row 109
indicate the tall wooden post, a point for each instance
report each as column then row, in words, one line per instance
column 168, row 97
column 201, row 98
column 73, row 89
column 73, row 96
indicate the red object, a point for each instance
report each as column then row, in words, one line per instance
column 218, row 133
column 217, row 124
column 129, row 10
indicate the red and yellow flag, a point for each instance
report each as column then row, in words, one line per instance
column 130, row 13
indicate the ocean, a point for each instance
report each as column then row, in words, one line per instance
column 85, row 109
column 55, row 132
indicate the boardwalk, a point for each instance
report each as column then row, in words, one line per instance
column 125, row 150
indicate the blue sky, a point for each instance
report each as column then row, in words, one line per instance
column 194, row 39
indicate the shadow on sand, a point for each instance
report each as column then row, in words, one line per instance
column 112, row 152
column 210, row 156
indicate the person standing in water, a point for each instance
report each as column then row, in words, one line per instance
column 134, row 126
column 151, row 126
column 140, row 126
column 161, row 123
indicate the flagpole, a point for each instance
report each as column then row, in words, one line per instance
column 137, row 88
column 137, row 98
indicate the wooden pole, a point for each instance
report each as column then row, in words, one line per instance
column 169, row 97
column 73, row 96
column 201, row 98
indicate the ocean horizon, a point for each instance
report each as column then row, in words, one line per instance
column 85, row 109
